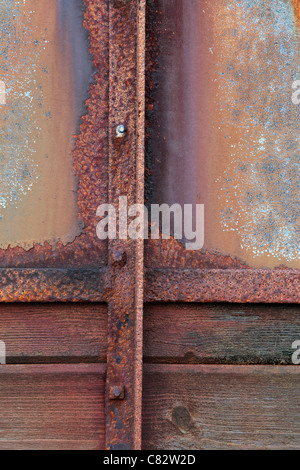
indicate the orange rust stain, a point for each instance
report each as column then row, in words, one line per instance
column 296, row 5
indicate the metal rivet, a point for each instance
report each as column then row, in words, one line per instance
column 117, row 392
column 121, row 130
column 119, row 258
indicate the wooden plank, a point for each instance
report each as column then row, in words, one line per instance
column 221, row 407
column 35, row 333
column 220, row 333
column 52, row 407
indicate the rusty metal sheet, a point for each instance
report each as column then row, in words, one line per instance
column 76, row 278
column 54, row 132
column 43, row 105
column 223, row 129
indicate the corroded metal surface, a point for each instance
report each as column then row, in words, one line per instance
column 46, row 84
column 89, row 162
column 126, row 178
column 223, row 129
column 174, row 274
column 223, row 285
column 116, row 98
column 53, row 285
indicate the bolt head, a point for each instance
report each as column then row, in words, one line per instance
column 119, row 258
column 121, row 130
column 117, row 392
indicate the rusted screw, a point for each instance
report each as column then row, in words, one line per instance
column 117, row 392
column 119, row 258
column 121, row 130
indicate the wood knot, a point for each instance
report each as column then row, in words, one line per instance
column 182, row 419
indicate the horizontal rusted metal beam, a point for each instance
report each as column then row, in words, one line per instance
column 52, row 285
column 162, row 285
column 223, row 285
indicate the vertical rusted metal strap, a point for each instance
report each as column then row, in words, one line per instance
column 126, row 178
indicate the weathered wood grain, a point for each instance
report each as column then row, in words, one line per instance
column 220, row 333
column 221, row 407
column 52, row 407
column 36, row 333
